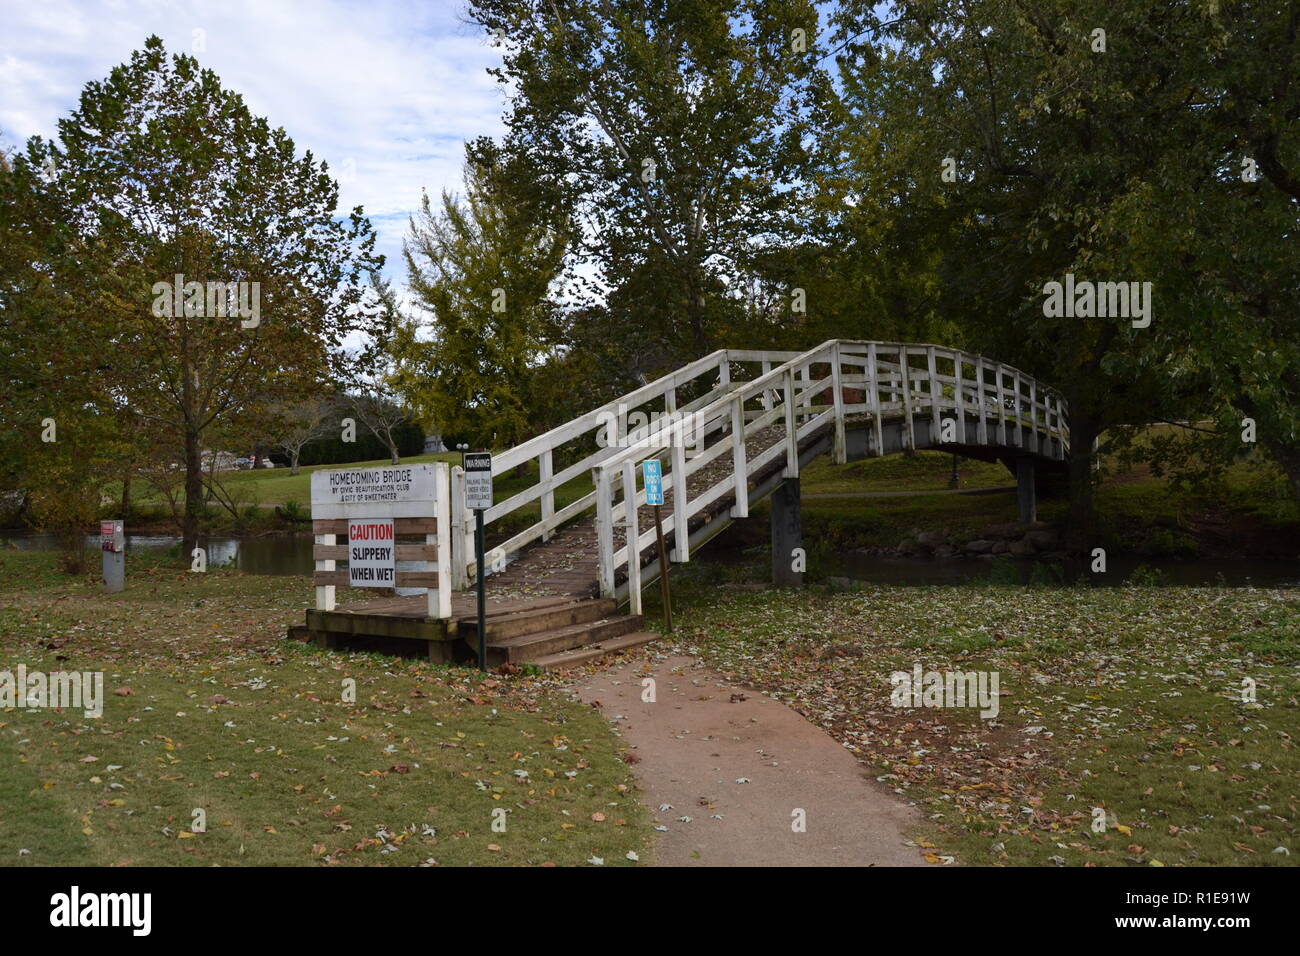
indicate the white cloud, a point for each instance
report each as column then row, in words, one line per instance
column 386, row 92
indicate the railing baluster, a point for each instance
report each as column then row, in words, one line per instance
column 873, row 397
column 909, row 433
column 839, row 450
column 739, row 458
column 633, row 532
column 959, row 397
column 545, row 473
column 604, row 530
column 791, row 428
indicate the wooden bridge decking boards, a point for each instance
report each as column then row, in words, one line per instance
column 556, row 600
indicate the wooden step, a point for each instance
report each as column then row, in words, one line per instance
column 581, row 655
column 538, row 620
column 527, row 647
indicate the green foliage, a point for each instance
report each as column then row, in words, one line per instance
column 161, row 172
column 480, row 268
column 1120, row 165
column 682, row 137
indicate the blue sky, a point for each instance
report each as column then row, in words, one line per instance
column 386, row 91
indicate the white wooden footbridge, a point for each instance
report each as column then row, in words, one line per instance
column 730, row 429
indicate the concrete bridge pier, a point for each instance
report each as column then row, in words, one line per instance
column 788, row 556
column 1026, row 494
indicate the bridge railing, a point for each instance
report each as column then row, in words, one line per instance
column 604, row 428
column 993, row 404
column 741, row 394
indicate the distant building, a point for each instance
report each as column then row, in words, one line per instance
column 433, row 444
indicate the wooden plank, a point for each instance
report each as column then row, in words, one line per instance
column 400, row 526
column 404, row 579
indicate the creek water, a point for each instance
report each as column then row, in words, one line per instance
column 291, row 554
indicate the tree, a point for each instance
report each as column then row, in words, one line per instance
column 680, row 134
column 199, row 259
column 480, row 270
column 299, row 423
column 1068, row 149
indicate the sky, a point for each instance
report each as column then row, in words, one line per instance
column 386, row 91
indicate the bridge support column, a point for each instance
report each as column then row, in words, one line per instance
column 1026, row 495
column 788, row 556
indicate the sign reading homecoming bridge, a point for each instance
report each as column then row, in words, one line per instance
column 400, row 491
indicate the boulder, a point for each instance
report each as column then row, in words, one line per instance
column 1000, row 547
column 1021, row 547
column 980, row 546
column 945, row 551
column 929, row 540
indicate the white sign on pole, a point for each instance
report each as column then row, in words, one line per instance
column 478, row 480
column 401, row 491
column 372, row 553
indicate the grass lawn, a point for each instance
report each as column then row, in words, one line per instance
column 1126, row 699
column 208, row 708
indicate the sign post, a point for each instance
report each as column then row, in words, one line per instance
column 112, row 542
column 478, row 498
column 652, row 475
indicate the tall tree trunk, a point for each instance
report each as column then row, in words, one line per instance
column 193, row 495
column 293, row 462
column 1081, row 525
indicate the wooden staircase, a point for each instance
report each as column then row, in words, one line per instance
column 559, row 634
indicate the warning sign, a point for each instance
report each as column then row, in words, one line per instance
column 372, row 553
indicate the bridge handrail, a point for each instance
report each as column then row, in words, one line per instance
column 723, row 408
column 798, row 403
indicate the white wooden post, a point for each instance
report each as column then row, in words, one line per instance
column 936, row 394
column 983, row 433
column 459, row 556
column 791, row 428
column 739, row 457
column 325, row 592
column 1020, row 436
column 839, row 451
column 1002, row 406
column 633, row 532
column 545, row 473
column 909, row 432
column 677, row 456
column 440, row 597
column 767, row 395
column 604, row 530
column 1033, row 415
column 873, row 397
column 961, row 399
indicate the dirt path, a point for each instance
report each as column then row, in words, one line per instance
column 702, row 735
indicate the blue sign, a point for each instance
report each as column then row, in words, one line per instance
column 654, row 483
